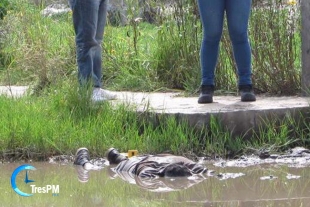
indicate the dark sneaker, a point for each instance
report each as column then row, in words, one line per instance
column 246, row 92
column 114, row 157
column 81, row 156
column 206, row 94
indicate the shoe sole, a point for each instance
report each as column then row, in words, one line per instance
column 102, row 100
column 78, row 150
column 248, row 98
column 108, row 151
column 206, row 99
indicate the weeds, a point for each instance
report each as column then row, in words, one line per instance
column 178, row 52
column 38, row 50
column 165, row 53
column 276, row 63
column 4, row 7
column 63, row 119
column 145, row 57
column 279, row 134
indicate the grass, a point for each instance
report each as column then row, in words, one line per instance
column 138, row 57
column 39, row 51
column 61, row 120
column 125, row 65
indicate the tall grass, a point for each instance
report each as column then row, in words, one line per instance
column 37, row 50
column 145, row 57
column 137, row 56
column 63, row 119
column 178, row 46
column 276, row 63
column 127, row 57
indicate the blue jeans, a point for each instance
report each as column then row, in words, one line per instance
column 212, row 16
column 89, row 19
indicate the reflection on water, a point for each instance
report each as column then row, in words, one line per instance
column 159, row 184
column 288, row 187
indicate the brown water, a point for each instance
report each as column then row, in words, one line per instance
column 262, row 185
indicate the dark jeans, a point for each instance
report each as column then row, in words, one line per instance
column 212, row 16
column 89, row 19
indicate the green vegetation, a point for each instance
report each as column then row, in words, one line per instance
column 40, row 51
column 4, row 6
column 61, row 120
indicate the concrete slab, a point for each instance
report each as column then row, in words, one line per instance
column 239, row 118
column 173, row 103
column 13, row 91
column 236, row 116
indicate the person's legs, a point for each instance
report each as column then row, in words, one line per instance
column 84, row 165
column 89, row 19
column 114, row 157
column 97, row 67
column 98, row 93
column 85, row 20
column 81, row 156
column 238, row 13
column 212, row 15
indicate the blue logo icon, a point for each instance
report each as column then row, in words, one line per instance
column 13, row 179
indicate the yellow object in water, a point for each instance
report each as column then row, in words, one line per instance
column 132, row 153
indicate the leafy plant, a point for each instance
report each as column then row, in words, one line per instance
column 4, row 7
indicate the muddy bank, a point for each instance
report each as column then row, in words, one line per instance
column 295, row 157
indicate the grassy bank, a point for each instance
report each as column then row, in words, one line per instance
column 60, row 121
column 140, row 56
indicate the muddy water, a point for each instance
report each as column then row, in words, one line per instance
column 261, row 185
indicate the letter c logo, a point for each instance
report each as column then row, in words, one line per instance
column 13, row 179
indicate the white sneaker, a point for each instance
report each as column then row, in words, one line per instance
column 102, row 95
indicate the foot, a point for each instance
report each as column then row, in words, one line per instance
column 81, row 156
column 100, row 94
column 206, row 94
column 114, row 157
column 246, row 93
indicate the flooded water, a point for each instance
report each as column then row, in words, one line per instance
column 260, row 185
